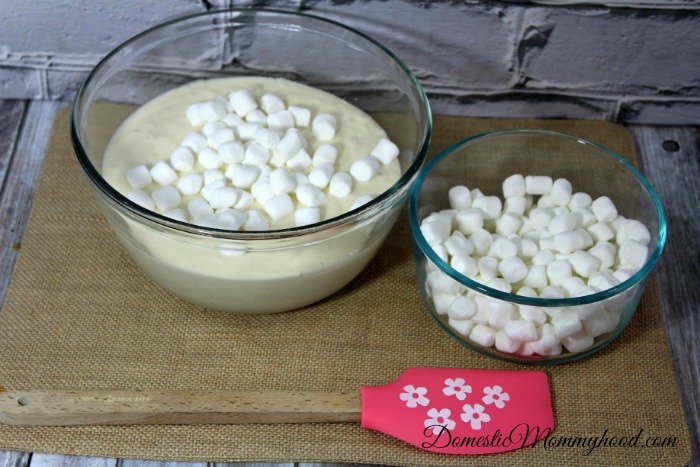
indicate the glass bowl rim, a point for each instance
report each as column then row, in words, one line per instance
column 420, row 241
column 367, row 211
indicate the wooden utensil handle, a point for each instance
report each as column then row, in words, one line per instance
column 67, row 408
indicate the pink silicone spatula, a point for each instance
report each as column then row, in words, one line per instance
column 445, row 410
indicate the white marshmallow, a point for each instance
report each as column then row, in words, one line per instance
column 546, row 201
column 211, row 127
column 198, row 208
column 540, row 218
column 300, row 162
column 502, row 248
column 631, row 229
column 633, row 253
column 538, row 184
column 561, row 192
column 531, row 313
column 340, row 184
column 195, row 141
column 190, row 184
column 255, row 221
column 242, row 102
column 192, row 114
column 482, row 240
column 224, row 197
column 602, row 281
column 230, row 219
column 460, row 197
column 231, row 152
column 508, row 224
column 599, row 325
column 219, row 137
column 521, row 330
column 547, row 343
column 139, row 177
column 365, row 168
column 504, row 343
column 256, row 154
column 587, row 238
column 500, row 284
column 461, row 308
column 557, row 271
column 569, row 242
column 176, row 214
column 209, row 158
column 483, row 335
column 163, row 174
column 536, row 277
column 232, row 120
column 488, row 268
column 463, row 327
column 281, row 181
column 209, row 188
column 361, row 201
column 324, row 126
column 385, row 150
column 142, row 198
column 310, row 195
column 441, row 283
column 572, row 285
column 514, row 186
column 441, row 252
column 279, row 206
column 584, row 264
column 528, row 248
column 470, row 220
column 601, row 232
column 513, row 269
column 500, row 313
column 563, row 222
column 603, row 209
column 247, row 130
column 306, row 216
column 321, row 175
column 257, row 116
column 578, row 342
column 325, row 154
column 242, row 175
column 457, row 243
column 584, row 217
column 271, row 103
column 302, row 115
column 604, row 252
column 262, row 190
column 281, row 120
column 212, row 175
column 182, row 159
column 566, row 323
column 245, row 199
column 490, row 205
column 290, row 144
column 208, row 221
column 267, row 138
column 516, row 205
column 435, row 230
column 211, row 111
column 166, row 198
column 464, row 264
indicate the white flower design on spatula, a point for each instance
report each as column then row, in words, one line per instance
column 456, row 387
column 496, row 396
column 438, row 419
column 474, row 415
column 414, row 396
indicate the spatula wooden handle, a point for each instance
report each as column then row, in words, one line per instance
column 68, row 408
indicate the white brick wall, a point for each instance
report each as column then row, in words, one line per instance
column 620, row 60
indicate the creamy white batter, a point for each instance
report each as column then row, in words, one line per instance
column 202, row 270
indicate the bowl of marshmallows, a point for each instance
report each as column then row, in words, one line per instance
column 533, row 246
column 251, row 161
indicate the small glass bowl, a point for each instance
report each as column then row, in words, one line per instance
column 483, row 162
column 312, row 261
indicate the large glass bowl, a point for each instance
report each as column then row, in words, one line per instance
column 312, row 261
column 483, row 162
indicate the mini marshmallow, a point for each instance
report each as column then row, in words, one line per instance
column 514, row 186
column 461, row 308
column 195, row 141
column 505, row 344
column 488, row 267
column 247, row 130
column 604, row 252
column 631, row 229
column 281, row 181
column 182, row 159
column 633, row 253
column 142, row 198
column 528, row 248
column 598, row 326
column 190, row 184
column 583, row 263
column 271, row 103
column 464, row 264
column 230, row 219
column 306, row 216
column 209, row 188
column 340, row 184
column 500, row 313
column 513, row 269
column 281, row 120
column 256, row 154
column 310, row 195
column 245, row 199
column 538, row 184
column 212, row 175
column 300, row 162
column 584, row 217
column 458, row 243
column 563, row 222
column 470, row 220
column 490, row 205
column 267, row 137
column 482, row 240
column 508, row 224
column 365, row 168
column 324, row 126
column 139, row 177
column 578, row 342
column 219, row 137
column 536, row 277
column 176, row 214
column 572, row 285
column 208, row 221
column 166, row 198
column 441, row 283
column 435, row 230
column 257, row 116
column 516, row 205
column 603, row 209
column 231, row 152
column 600, row 281
column 500, row 284
column 290, row 144
column 601, row 232
column 199, row 207
column 460, row 197
column 540, row 218
column 242, row 175
column 502, row 248
column 531, row 313
column 211, row 127
column 385, row 150
column 557, row 271
column 325, row 154
column 441, row 252
column 321, row 175
column 624, row 273
column 232, row 120
column 209, row 158
column 464, row 327
column 262, row 190
column 522, row 330
column 569, row 242
column 617, row 222
column 242, row 102
column 545, row 201
column 561, row 192
column 361, row 201
column 302, row 115
column 255, row 221
column 483, row 335
column 163, row 174
column 547, row 343
column 192, row 114
column 211, row 111
column 224, row 197
column 279, row 206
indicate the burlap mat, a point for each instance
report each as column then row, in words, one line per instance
column 79, row 314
